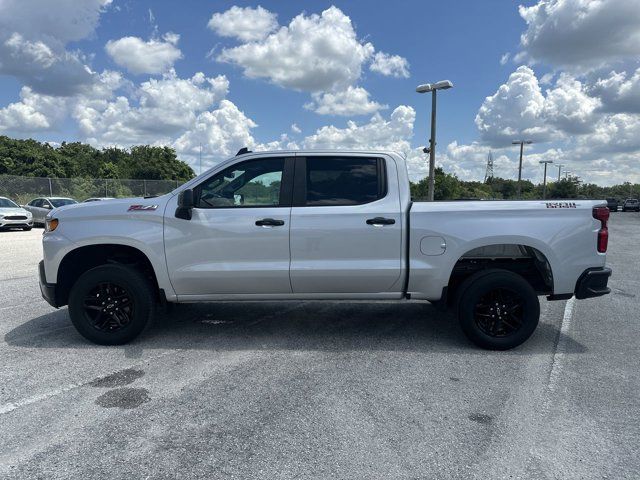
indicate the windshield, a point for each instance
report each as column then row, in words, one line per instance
column 59, row 202
column 6, row 203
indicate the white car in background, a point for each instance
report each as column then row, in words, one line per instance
column 40, row 207
column 13, row 215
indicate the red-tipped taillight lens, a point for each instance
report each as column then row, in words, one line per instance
column 602, row 214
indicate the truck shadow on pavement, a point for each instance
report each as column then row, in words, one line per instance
column 323, row 326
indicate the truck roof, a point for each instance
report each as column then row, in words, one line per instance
column 322, row 151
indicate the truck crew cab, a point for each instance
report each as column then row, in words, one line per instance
column 321, row 225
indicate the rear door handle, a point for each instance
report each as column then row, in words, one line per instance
column 269, row 222
column 379, row 221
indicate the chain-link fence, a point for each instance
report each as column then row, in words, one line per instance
column 24, row 189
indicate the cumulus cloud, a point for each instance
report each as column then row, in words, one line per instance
column 46, row 69
column 221, row 132
column 32, row 113
column 613, row 133
column 162, row 108
column 519, row 109
column 62, row 22
column 619, row 92
column 350, row 101
column 393, row 133
column 295, row 128
column 569, row 107
column 390, row 65
column 313, row 53
column 33, row 37
column 137, row 56
column 514, row 110
column 580, row 34
column 246, row 24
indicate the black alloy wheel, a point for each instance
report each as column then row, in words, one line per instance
column 109, row 307
column 112, row 304
column 499, row 313
column 497, row 309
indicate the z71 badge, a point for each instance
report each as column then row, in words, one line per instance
column 561, row 205
column 143, row 208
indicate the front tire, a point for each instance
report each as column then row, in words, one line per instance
column 497, row 309
column 26, row 229
column 111, row 304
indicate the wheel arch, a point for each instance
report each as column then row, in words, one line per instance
column 522, row 258
column 83, row 258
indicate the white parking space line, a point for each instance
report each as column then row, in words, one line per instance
column 557, row 362
column 11, row 406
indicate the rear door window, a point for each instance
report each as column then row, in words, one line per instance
column 341, row 181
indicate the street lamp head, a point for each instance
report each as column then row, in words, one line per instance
column 428, row 87
column 518, row 142
column 442, row 85
column 545, row 161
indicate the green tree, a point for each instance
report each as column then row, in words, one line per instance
column 565, row 188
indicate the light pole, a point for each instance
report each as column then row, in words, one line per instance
column 431, row 150
column 559, row 170
column 566, row 174
column 521, row 143
column 544, row 180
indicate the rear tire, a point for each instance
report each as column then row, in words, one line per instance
column 111, row 304
column 26, row 229
column 497, row 309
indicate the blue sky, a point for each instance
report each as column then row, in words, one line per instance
column 335, row 74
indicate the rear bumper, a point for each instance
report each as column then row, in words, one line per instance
column 48, row 290
column 593, row 283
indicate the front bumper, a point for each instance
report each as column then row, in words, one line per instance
column 48, row 290
column 593, row 283
column 4, row 223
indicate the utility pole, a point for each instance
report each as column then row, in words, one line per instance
column 521, row 143
column 559, row 169
column 544, row 180
column 431, row 150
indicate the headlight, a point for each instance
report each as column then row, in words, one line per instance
column 51, row 224
column 29, row 214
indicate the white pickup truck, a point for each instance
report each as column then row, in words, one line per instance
column 320, row 225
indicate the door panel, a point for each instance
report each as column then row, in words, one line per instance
column 345, row 248
column 237, row 241
column 224, row 251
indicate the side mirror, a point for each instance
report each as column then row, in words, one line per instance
column 185, row 204
column 185, row 199
column 47, row 206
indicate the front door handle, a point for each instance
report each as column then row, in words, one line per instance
column 269, row 222
column 379, row 221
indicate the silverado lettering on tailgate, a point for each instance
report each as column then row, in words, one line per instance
column 561, row 204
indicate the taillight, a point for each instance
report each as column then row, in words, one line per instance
column 602, row 214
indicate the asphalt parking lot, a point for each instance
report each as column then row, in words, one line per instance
column 320, row 390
